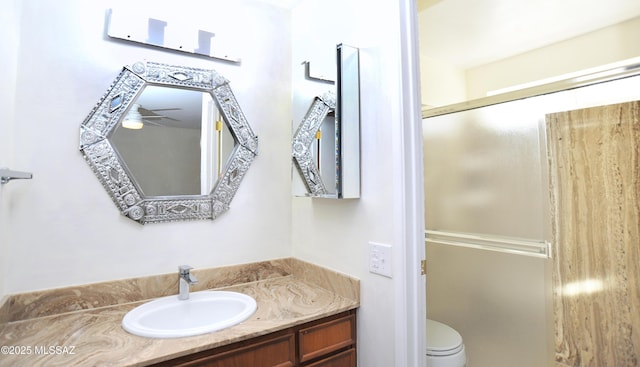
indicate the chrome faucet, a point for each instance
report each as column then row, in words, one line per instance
column 186, row 279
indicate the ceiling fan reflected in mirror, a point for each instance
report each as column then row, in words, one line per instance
column 138, row 116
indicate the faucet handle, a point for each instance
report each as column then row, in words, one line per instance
column 184, row 273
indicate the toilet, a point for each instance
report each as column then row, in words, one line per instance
column 444, row 346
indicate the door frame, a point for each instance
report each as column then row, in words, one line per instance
column 410, row 294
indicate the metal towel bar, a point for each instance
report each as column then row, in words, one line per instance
column 7, row 175
column 511, row 245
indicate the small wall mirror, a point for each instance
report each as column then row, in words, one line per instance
column 326, row 144
column 169, row 143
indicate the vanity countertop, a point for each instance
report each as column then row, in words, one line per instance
column 95, row 337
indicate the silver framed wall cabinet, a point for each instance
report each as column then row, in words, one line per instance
column 326, row 144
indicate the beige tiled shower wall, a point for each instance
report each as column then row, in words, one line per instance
column 595, row 187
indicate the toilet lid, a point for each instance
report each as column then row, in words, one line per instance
column 442, row 340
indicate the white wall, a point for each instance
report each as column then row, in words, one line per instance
column 336, row 233
column 62, row 227
column 605, row 46
column 443, row 83
column 9, row 38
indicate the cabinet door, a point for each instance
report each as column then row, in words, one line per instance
column 330, row 336
column 276, row 352
column 344, row 359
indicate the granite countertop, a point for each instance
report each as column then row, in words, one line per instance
column 289, row 293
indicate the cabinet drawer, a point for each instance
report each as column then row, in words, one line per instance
column 344, row 359
column 319, row 340
column 276, row 352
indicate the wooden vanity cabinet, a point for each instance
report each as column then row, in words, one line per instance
column 328, row 342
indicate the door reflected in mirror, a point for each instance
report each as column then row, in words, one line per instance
column 173, row 142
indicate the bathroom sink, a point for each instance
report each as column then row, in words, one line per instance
column 203, row 312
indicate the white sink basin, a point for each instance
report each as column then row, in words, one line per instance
column 202, row 313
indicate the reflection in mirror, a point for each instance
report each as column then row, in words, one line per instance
column 324, row 152
column 311, row 153
column 169, row 143
column 173, row 141
column 326, row 144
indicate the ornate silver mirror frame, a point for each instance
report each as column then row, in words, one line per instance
column 111, row 170
column 302, row 141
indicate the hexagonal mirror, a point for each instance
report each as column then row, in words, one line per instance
column 168, row 143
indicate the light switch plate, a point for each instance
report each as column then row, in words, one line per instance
column 380, row 259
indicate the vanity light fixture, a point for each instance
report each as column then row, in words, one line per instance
column 130, row 25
